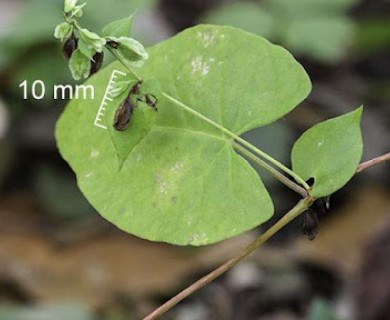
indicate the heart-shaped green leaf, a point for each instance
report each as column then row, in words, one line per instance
column 182, row 182
column 329, row 152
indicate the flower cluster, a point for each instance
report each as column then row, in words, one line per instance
column 84, row 49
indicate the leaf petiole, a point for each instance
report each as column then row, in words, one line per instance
column 275, row 173
column 238, row 141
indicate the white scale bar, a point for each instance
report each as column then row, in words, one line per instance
column 99, row 120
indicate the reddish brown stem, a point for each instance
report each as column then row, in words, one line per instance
column 373, row 162
column 291, row 215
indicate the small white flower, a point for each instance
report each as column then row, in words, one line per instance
column 70, row 5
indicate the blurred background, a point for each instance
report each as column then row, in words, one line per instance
column 60, row 260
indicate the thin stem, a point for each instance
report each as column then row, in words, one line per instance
column 240, row 140
column 301, row 207
column 135, row 74
column 373, row 162
column 275, row 173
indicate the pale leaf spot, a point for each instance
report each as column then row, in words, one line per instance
column 163, row 185
column 177, row 167
column 94, row 154
column 199, row 238
column 200, row 66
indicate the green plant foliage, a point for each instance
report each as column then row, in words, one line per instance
column 336, row 32
column 310, row 8
column 321, row 310
column 89, row 44
column 317, row 28
column 373, row 35
column 59, row 194
column 92, row 41
column 46, row 312
column 70, row 5
column 63, row 31
column 244, row 15
column 118, row 28
column 330, row 153
column 79, row 65
column 142, row 122
column 143, row 118
column 183, row 183
column 130, row 51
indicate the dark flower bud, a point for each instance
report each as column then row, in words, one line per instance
column 151, row 101
column 97, row 62
column 123, row 115
column 113, row 44
column 310, row 224
column 136, row 88
column 70, row 46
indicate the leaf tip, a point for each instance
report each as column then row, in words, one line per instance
column 359, row 112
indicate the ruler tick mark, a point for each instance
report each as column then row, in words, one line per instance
column 99, row 120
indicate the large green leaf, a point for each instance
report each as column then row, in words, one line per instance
column 182, row 182
column 330, row 153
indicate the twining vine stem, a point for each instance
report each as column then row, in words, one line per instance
column 301, row 207
column 255, row 155
column 373, row 162
column 239, row 144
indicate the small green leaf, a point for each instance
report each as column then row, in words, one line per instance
column 70, row 5
column 79, row 65
column 63, row 31
column 329, row 152
column 86, row 50
column 92, row 40
column 129, row 50
column 119, row 28
column 78, row 10
column 142, row 122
